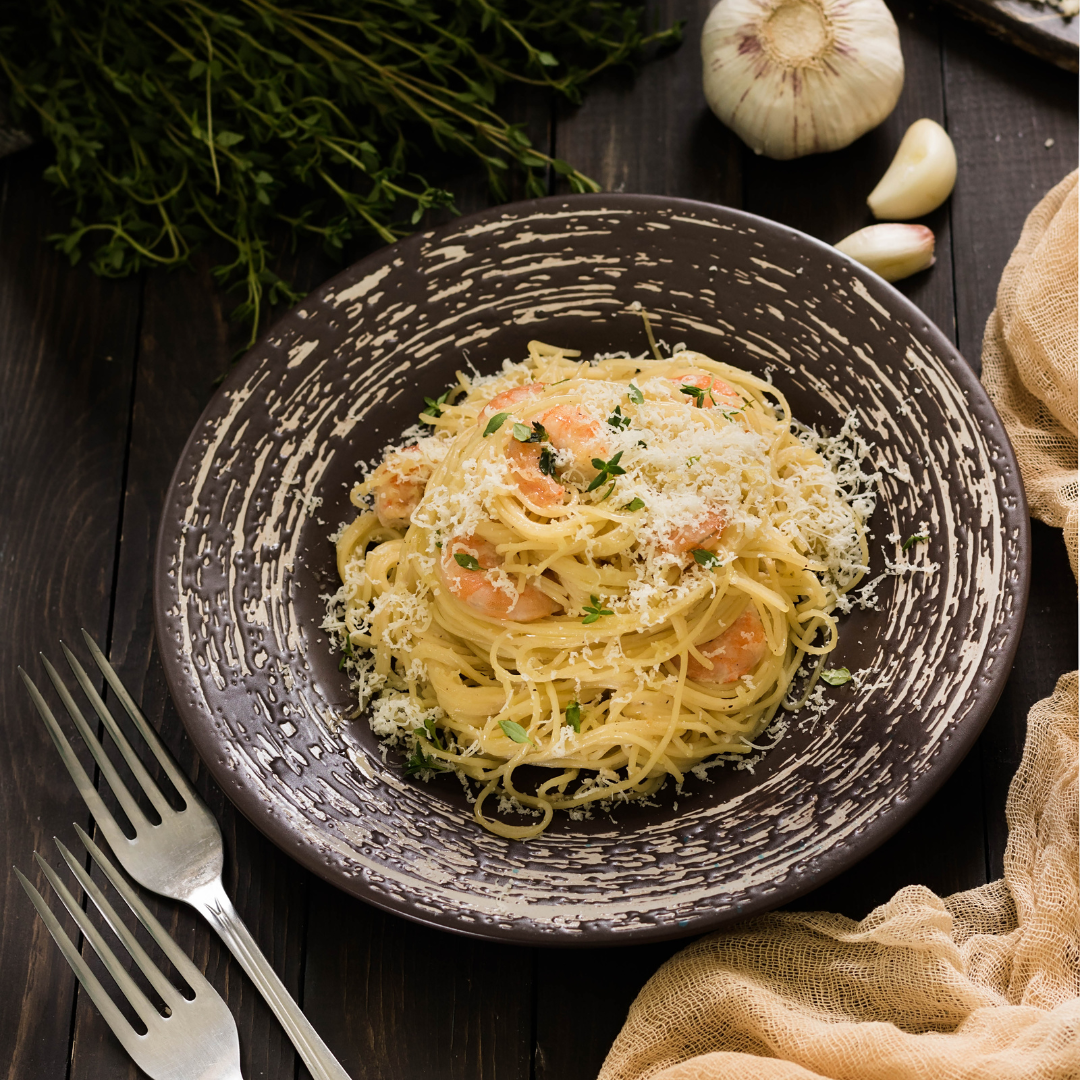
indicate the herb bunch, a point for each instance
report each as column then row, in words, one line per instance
column 174, row 121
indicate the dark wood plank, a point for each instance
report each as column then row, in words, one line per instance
column 825, row 194
column 654, row 133
column 1003, row 107
column 67, row 348
column 185, row 346
column 578, row 1016
column 408, row 1002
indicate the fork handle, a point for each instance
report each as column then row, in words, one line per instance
column 213, row 903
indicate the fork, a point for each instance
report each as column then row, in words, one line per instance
column 182, row 857
column 197, row 1040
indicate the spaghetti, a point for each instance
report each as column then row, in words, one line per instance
column 611, row 570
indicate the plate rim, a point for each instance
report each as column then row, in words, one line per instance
column 826, row 865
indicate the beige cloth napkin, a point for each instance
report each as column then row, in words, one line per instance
column 984, row 983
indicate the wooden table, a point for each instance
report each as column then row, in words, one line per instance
column 100, row 383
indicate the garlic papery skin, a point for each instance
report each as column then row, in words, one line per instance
column 795, row 77
column 921, row 176
column 893, row 251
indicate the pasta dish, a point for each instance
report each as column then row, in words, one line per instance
column 610, row 570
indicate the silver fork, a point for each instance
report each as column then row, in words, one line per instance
column 197, row 1040
column 183, row 856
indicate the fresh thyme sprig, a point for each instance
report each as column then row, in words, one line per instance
column 605, row 469
column 433, row 407
column 595, row 610
column 420, row 759
column 698, row 394
column 257, row 122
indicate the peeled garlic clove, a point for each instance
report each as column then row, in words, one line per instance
column 921, row 176
column 893, row 251
column 795, row 77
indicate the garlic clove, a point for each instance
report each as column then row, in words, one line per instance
column 893, row 251
column 921, row 176
column 795, row 77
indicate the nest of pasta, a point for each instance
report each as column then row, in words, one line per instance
column 612, row 570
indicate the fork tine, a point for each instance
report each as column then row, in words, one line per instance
column 146, row 782
column 119, row 788
column 180, row 960
column 153, row 740
column 102, row 814
column 169, row 993
column 113, row 1017
column 127, row 985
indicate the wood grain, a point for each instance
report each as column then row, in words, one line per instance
column 185, row 344
column 1002, row 107
column 406, row 1001
column 825, row 194
column 578, row 1015
column 655, row 134
column 67, row 349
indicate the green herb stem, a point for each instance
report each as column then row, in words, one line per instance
column 174, row 121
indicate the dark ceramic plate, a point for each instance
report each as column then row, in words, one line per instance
column 243, row 564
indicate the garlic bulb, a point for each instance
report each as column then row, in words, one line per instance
column 794, row 77
column 921, row 176
column 893, row 251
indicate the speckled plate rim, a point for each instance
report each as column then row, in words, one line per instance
column 825, row 865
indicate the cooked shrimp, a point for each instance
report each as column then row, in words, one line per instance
column 505, row 401
column 571, row 429
column 735, row 653
column 717, row 392
column 478, row 590
column 537, row 487
column 701, row 534
column 398, row 486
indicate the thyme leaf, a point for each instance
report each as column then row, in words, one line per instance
column 347, row 653
column 912, row 540
column 573, row 716
column 546, row 463
column 635, row 395
column 434, row 407
column 514, row 731
column 708, row 559
column 836, row 676
column 495, row 423
column 595, row 610
column 606, row 469
column 420, row 759
column 696, row 392
column 469, row 562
